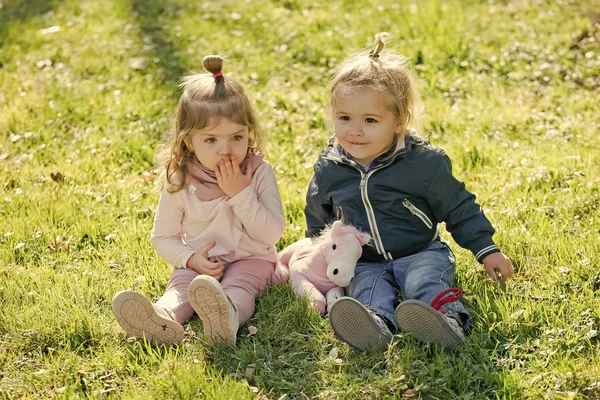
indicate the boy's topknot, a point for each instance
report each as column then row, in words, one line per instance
column 379, row 44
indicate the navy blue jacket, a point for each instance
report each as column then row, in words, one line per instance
column 399, row 200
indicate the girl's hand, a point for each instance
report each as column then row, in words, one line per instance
column 230, row 177
column 199, row 262
column 497, row 265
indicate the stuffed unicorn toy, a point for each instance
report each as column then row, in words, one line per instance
column 320, row 267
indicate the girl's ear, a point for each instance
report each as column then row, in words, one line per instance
column 188, row 143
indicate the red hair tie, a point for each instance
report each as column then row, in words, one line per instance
column 218, row 74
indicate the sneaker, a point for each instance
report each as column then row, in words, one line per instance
column 219, row 317
column 428, row 325
column 140, row 319
column 357, row 326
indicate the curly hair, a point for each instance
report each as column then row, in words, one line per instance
column 205, row 96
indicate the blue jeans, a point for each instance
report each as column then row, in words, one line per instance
column 421, row 276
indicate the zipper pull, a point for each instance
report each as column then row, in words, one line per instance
column 409, row 205
column 363, row 180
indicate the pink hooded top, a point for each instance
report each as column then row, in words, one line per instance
column 247, row 225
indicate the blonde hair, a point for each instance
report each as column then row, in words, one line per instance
column 388, row 73
column 205, row 97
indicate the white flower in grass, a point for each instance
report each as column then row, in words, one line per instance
column 51, row 29
column 333, row 355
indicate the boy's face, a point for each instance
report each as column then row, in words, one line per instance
column 221, row 139
column 364, row 125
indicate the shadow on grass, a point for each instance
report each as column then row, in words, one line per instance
column 19, row 12
column 150, row 14
column 287, row 352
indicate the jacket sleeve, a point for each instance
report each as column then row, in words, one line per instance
column 259, row 208
column 166, row 233
column 452, row 203
column 318, row 207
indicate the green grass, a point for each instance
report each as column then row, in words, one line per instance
column 511, row 91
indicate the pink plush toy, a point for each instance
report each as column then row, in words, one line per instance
column 320, row 267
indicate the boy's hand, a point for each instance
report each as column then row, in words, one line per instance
column 497, row 265
column 199, row 262
column 230, row 177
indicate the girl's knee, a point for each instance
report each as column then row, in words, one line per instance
column 181, row 277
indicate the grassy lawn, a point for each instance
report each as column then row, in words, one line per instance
column 87, row 88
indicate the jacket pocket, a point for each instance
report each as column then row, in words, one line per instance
column 415, row 211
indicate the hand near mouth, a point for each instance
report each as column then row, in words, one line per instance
column 230, row 177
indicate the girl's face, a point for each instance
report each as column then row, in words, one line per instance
column 364, row 125
column 221, row 139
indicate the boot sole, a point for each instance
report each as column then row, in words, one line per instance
column 426, row 324
column 136, row 315
column 353, row 324
column 212, row 306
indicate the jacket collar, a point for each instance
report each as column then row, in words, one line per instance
column 336, row 152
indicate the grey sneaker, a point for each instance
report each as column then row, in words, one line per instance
column 428, row 325
column 138, row 317
column 219, row 317
column 357, row 326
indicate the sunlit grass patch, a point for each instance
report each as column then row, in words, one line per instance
column 88, row 88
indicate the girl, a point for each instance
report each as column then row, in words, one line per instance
column 379, row 176
column 218, row 218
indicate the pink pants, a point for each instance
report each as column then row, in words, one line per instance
column 242, row 282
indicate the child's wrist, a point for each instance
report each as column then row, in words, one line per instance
column 188, row 263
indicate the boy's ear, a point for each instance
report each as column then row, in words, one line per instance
column 399, row 128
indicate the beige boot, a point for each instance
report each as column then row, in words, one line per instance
column 219, row 317
column 139, row 318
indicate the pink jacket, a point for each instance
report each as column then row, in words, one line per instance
column 247, row 225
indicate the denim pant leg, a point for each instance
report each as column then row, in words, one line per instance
column 424, row 275
column 374, row 287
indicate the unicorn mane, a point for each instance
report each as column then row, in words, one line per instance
column 325, row 233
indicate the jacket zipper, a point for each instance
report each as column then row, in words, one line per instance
column 367, row 204
column 415, row 211
column 371, row 213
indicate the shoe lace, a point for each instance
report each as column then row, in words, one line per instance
column 379, row 321
column 447, row 296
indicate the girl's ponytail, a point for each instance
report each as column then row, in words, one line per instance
column 214, row 65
